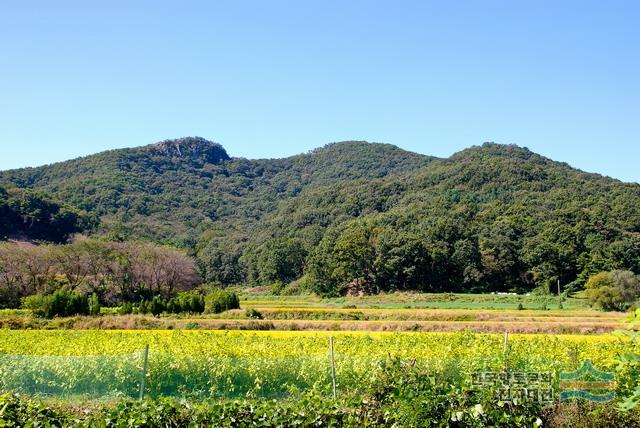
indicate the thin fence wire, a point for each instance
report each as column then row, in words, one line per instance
column 103, row 376
column 112, row 376
column 224, row 377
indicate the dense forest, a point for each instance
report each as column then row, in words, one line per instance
column 354, row 216
column 172, row 191
column 31, row 215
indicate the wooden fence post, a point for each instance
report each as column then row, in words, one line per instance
column 505, row 349
column 143, row 377
column 333, row 366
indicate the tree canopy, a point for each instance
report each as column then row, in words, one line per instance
column 360, row 217
column 35, row 215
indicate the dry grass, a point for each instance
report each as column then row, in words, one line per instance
column 142, row 322
column 345, row 319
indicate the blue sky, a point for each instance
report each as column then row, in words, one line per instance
column 275, row 78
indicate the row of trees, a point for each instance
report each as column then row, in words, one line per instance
column 212, row 301
column 370, row 255
column 115, row 271
column 446, row 252
column 62, row 303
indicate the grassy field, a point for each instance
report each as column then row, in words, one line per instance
column 419, row 300
column 430, row 312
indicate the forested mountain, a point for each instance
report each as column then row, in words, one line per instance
column 360, row 217
column 489, row 218
column 31, row 215
column 173, row 190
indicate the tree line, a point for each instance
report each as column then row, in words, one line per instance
column 115, row 272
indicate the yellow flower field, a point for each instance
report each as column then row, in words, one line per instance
column 232, row 363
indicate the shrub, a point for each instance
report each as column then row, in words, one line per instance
column 305, row 283
column 219, row 301
column 292, row 289
column 613, row 291
column 39, row 305
column 126, row 308
column 277, row 287
column 62, row 303
column 192, row 325
column 187, row 301
column 156, row 306
column 94, row 305
column 143, row 307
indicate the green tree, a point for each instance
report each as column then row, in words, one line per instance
column 402, row 262
column 277, row 260
column 219, row 301
column 613, row 291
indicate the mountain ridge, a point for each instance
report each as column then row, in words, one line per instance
column 123, row 181
column 166, row 146
column 490, row 217
column 169, row 148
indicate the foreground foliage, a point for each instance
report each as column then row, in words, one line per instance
column 630, row 361
column 275, row 379
column 401, row 394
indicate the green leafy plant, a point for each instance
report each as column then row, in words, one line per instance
column 186, row 302
column 61, row 303
column 219, row 301
column 629, row 364
column 126, row 308
column 94, row 305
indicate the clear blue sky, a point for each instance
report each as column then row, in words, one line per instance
column 275, row 78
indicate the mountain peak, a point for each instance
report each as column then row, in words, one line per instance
column 191, row 147
column 492, row 150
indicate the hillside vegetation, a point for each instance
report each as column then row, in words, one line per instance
column 32, row 215
column 359, row 217
column 173, row 190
